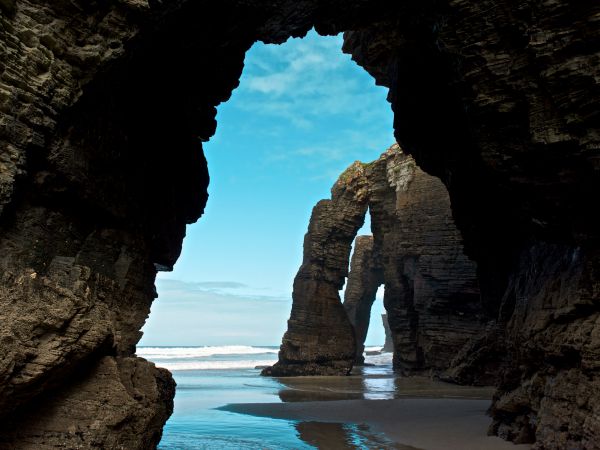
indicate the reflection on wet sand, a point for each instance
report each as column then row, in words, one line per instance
column 374, row 383
column 376, row 409
column 343, row 436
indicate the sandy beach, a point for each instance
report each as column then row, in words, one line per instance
column 385, row 410
column 418, row 423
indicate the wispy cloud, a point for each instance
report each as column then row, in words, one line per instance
column 174, row 290
column 215, row 313
column 305, row 82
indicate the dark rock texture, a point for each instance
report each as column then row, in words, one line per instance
column 319, row 339
column 431, row 293
column 388, row 346
column 363, row 281
column 103, row 106
column 118, row 403
column 499, row 100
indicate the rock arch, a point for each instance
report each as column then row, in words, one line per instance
column 102, row 109
column 431, row 293
column 365, row 277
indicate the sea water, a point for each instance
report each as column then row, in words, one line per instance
column 210, row 377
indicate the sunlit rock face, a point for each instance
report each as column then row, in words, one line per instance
column 103, row 107
column 320, row 339
column 388, row 346
column 431, row 292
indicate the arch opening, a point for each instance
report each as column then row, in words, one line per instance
column 104, row 109
column 301, row 112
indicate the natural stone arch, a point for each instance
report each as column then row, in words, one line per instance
column 364, row 279
column 431, row 294
column 497, row 100
column 320, row 339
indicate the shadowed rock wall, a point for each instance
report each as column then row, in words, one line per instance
column 431, row 293
column 103, row 105
column 499, row 100
column 364, row 279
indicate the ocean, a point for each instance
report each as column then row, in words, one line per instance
column 211, row 377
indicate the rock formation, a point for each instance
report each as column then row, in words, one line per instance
column 388, row 346
column 363, row 281
column 103, row 107
column 319, row 339
column 500, row 102
column 431, row 292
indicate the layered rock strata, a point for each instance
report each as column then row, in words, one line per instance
column 103, row 105
column 364, row 279
column 388, row 346
column 500, row 101
column 319, row 339
column 431, row 294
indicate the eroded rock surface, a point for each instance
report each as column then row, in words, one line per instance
column 117, row 403
column 103, row 105
column 499, row 100
column 364, row 279
column 431, row 292
column 319, row 339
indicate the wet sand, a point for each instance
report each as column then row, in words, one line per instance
column 422, row 423
column 389, row 411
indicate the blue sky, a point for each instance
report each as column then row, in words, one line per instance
column 303, row 112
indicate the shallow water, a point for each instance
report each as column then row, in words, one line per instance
column 214, row 377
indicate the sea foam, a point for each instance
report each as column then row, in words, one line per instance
column 153, row 353
column 216, row 365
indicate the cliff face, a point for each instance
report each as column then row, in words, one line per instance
column 389, row 343
column 431, row 293
column 497, row 101
column 102, row 109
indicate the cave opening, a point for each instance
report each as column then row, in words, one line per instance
column 104, row 109
column 303, row 111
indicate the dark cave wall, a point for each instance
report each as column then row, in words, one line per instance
column 498, row 99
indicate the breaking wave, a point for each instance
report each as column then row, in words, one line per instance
column 200, row 352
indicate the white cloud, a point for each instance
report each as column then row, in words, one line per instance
column 303, row 80
column 215, row 313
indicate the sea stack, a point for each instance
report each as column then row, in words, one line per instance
column 431, row 295
column 320, row 339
